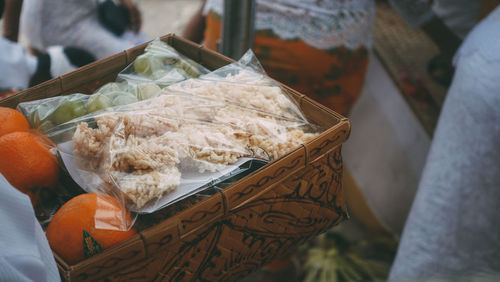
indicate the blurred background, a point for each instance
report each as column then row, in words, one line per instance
column 178, row 13
column 393, row 90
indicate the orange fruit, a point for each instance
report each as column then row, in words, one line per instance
column 72, row 233
column 12, row 121
column 26, row 162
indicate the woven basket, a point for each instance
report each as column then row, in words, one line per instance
column 262, row 217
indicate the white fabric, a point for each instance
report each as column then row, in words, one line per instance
column 25, row 254
column 59, row 63
column 453, row 230
column 322, row 24
column 72, row 23
column 17, row 65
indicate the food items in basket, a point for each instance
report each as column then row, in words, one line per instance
column 68, row 109
column 39, row 117
column 246, row 89
column 57, row 111
column 159, row 66
column 160, row 59
column 202, row 125
column 121, row 93
column 112, row 94
column 73, row 233
column 124, row 99
column 147, row 90
column 27, row 163
column 12, row 121
column 98, row 102
column 147, row 64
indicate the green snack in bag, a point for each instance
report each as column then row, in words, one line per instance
column 40, row 114
column 147, row 64
column 114, row 94
column 159, row 66
column 147, row 90
column 98, row 102
column 159, row 59
column 67, row 110
column 190, row 69
column 124, row 99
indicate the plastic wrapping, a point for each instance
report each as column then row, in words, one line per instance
column 191, row 136
column 145, row 221
column 159, row 66
column 162, row 65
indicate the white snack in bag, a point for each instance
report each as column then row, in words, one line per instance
column 200, row 126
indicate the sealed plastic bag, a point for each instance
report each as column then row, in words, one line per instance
column 162, row 65
column 157, row 151
column 159, row 66
column 192, row 135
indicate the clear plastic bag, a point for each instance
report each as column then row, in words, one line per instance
column 159, row 66
column 47, row 113
column 193, row 135
column 162, row 65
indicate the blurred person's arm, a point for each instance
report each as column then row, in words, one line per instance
column 12, row 14
column 196, row 26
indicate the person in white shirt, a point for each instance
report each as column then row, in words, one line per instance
column 80, row 23
column 20, row 69
column 453, row 229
